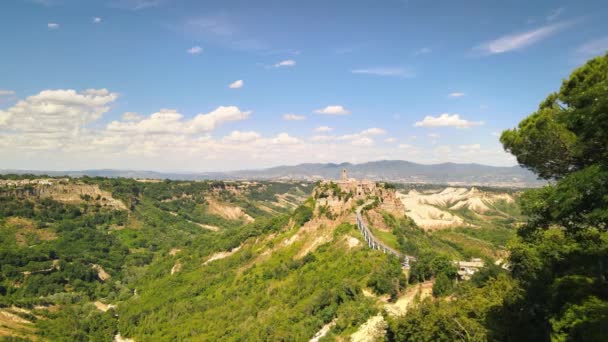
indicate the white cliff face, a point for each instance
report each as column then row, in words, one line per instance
column 63, row 190
column 431, row 210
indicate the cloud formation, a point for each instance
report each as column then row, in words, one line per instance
column 285, row 139
column 446, row 120
column 323, row 129
column 169, row 121
column 52, row 26
column 132, row 116
column 471, row 147
column 521, row 40
column 285, row 63
column 333, row 110
column 96, row 20
column 373, row 131
column 65, row 129
column 239, row 136
column 195, row 50
column 385, row 71
column 64, row 111
column 136, row 5
column 293, row 117
column 236, row 84
column 456, row 94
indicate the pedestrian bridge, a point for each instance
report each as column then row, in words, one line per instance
column 374, row 243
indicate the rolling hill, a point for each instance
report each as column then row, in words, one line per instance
column 385, row 170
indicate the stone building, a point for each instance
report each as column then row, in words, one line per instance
column 466, row 269
column 359, row 188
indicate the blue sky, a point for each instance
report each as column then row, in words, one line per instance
column 312, row 81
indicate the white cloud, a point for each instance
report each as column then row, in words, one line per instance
column 132, row 116
column 293, row 117
column 323, row 129
column 96, row 20
column 333, row 110
column 195, row 50
column 52, row 26
column 442, row 150
column 165, row 121
column 385, row 71
column 373, row 131
column 593, row 48
column 322, row 138
column 236, row 84
column 285, row 139
column 222, row 114
column 456, row 94
column 519, row 40
column 285, row 63
column 169, row 121
column 136, row 5
column 6, row 92
column 63, row 130
column 64, row 111
column 356, row 139
column 434, row 135
column 446, row 120
column 470, row 148
column 390, row 140
column 363, row 141
column 239, row 136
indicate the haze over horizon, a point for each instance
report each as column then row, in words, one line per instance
column 190, row 86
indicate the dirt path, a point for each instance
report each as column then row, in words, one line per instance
column 372, row 330
column 404, row 302
column 375, row 327
column 324, row 330
column 222, row 255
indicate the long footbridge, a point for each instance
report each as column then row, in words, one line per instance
column 374, row 243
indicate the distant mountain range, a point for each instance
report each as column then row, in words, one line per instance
column 385, row 170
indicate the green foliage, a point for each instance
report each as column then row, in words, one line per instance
column 562, row 252
column 430, row 264
column 132, row 246
column 443, row 285
column 470, row 316
column 303, row 213
column 43, row 267
column 78, row 323
column 279, row 298
column 387, row 278
column 559, row 261
column 570, row 129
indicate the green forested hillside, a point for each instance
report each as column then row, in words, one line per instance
column 557, row 287
column 52, row 251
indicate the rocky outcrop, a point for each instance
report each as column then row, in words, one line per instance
column 61, row 190
column 431, row 210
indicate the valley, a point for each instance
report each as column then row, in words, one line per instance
column 150, row 260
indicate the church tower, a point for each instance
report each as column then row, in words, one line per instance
column 344, row 175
